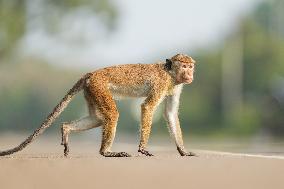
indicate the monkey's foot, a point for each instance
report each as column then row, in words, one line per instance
column 188, row 154
column 115, row 154
column 183, row 152
column 66, row 150
column 145, row 152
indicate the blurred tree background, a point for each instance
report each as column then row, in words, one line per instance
column 238, row 90
column 29, row 86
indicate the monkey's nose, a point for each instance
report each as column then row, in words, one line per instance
column 188, row 77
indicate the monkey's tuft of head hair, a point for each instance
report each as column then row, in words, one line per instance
column 183, row 58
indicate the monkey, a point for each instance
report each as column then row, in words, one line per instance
column 161, row 81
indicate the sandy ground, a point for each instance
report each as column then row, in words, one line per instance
column 42, row 165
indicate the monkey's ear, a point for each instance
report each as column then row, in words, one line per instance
column 168, row 64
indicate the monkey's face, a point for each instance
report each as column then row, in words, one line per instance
column 182, row 68
column 184, row 72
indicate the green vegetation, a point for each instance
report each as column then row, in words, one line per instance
column 29, row 92
column 260, row 40
column 15, row 14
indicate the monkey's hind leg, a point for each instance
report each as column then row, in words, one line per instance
column 109, row 129
column 110, row 115
column 64, row 136
column 76, row 126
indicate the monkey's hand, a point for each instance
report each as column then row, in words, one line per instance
column 183, row 152
column 145, row 152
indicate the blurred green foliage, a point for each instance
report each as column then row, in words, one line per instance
column 30, row 90
column 262, row 108
column 14, row 17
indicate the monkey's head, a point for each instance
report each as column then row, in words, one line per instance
column 181, row 68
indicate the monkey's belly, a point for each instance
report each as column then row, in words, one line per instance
column 122, row 91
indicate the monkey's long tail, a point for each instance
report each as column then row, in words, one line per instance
column 51, row 117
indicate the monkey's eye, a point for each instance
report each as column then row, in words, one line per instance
column 184, row 66
column 190, row 66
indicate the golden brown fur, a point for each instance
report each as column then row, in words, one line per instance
column 156, row 82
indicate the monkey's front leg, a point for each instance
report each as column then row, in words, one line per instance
column 174, row 127
column 179, row 141
column 147, row 110
column 171, row 116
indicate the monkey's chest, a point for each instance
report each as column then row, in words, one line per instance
column 124, row 91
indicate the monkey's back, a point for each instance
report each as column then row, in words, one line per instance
column 130, row 80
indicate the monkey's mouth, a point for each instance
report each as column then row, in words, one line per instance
column 187, row 80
